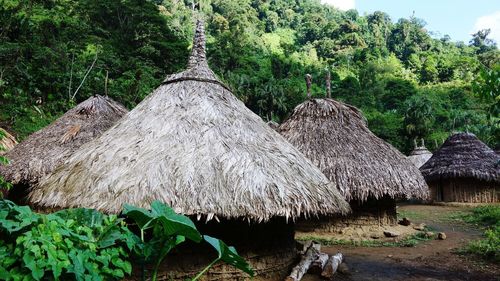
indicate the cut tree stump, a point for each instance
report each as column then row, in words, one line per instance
column 331, row 266
column 309, row 257
column 318, row 265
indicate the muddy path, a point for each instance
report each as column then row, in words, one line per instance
column 429, row 260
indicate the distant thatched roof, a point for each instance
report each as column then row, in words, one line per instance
column 419, row 156
column 463, row 155
column 336, row 138
column 39, row 154
column 193, row 145
column 7, row 141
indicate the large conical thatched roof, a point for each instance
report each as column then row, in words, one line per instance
column 193, row 145
column 336, row 138
column 7, row 141
column 463, row 155
column 42, row 151
column 419, row 155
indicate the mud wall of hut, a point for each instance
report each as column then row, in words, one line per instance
column 268, row 247
column 373, row 212
column 465, row 190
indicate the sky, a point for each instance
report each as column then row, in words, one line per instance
column 456, row 18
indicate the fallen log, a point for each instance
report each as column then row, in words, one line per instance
column 318, row 264
column 300, row 269
column 332, row 265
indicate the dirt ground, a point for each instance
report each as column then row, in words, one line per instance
column 429, row 260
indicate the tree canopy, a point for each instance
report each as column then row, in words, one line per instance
column 408, row 83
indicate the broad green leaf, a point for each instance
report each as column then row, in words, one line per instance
column 140, row 216
column 31, row 263
column 173, row 223
column 110, row 237
column 228, row 254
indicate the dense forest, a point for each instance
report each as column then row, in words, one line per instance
column 408, row 83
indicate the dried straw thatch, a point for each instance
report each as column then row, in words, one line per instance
column 7, row 141
column 193, row 145
column 463, row 155
column 42, row 151
column 420, row 155
column 336, row 138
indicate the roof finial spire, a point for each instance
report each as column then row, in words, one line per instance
column 328, row 84
column 423, row 144
column 308, row 84
column 198, row 53
column 415, row 143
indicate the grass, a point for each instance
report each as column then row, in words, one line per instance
column 409, row 241
column 488, row 218
column 411, row 215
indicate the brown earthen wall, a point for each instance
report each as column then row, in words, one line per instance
column 372, row 212
column 268, row 247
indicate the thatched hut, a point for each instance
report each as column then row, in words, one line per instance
column 42, row 151
column 369, row 172
column 7, row 141
column 463, row 169
column 195, row 146
column 419, row 155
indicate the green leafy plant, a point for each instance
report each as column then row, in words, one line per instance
column 168, row 229
column 78, row 244
column 84, row 244
column 489, row 218
column 4, row 185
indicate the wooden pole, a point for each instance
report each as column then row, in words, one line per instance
column 328, row 85
column 106, row 84
column 332, row 265
column 300, row 269
column 308, row 84
column 319, row 264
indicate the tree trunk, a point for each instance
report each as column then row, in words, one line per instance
column 300, row 269
column 318, row 265
column 331, row 266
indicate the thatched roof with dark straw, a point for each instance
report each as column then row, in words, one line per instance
column 463, row 155
column 419, row 155
column 7, row 141
column 193, row 145
column 336, row 138
column 43, row 150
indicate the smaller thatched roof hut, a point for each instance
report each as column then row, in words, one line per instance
column 368, row 171
column 419, row 155
column 463, row 155
column 43, row 150
column 7, row 141
column 335, row 137
column 463, row 169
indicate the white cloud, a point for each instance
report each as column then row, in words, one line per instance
column 343, row 5
column 492, row 22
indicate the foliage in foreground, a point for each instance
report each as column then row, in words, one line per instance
column 84, row 244
column 4, row 185
column 489, row 246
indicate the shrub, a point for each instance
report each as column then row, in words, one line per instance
column 489, row 246
column 84, row 244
